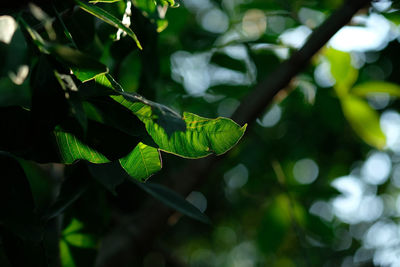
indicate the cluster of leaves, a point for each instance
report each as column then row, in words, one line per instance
column 69, row 114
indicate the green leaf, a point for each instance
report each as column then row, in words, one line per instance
column 142, row 162
column 83, row 66
column 81, row 240
column 108, row 18
column 35, row 36
column 191, row 136
column 103, row 1
column 73, row 227
column 75, row 242
column 65, row 255
column 364, row 120
column 162, row 24
column 373, row 87
column 175, row 201
column 171, row 3
column 107, row 111
column 146, row 5
column 342, row 70
column 72, row 149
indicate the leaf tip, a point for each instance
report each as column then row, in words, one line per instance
column 244, row 127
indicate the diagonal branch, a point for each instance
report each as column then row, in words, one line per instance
column 264, row 92
column 140, row 232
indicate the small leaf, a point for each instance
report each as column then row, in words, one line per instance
column 162, row 24
column 65, row 255
column 173, row 200
column 108, row 18
column 81, row 240
column 342, row 70
column 373, row 87
column 142, row 162
column 73, row 227
column 364, row 120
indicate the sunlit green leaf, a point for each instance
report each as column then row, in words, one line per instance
column 65, row 255
column 103, row 1
column 145, row 5
column 342, row 70
column 108, row 18
column 192, row 136
column 372, row 87
column 364, row 120
column 81, row 240
column 73, row 227
column 142, row 162
column 162, row 24
column 171, row 3
column 72, row 149
column 175, row 201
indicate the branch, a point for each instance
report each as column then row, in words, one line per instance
column 264, row 92
column 151, row 220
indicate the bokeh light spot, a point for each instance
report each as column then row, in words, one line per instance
column 305, row 171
